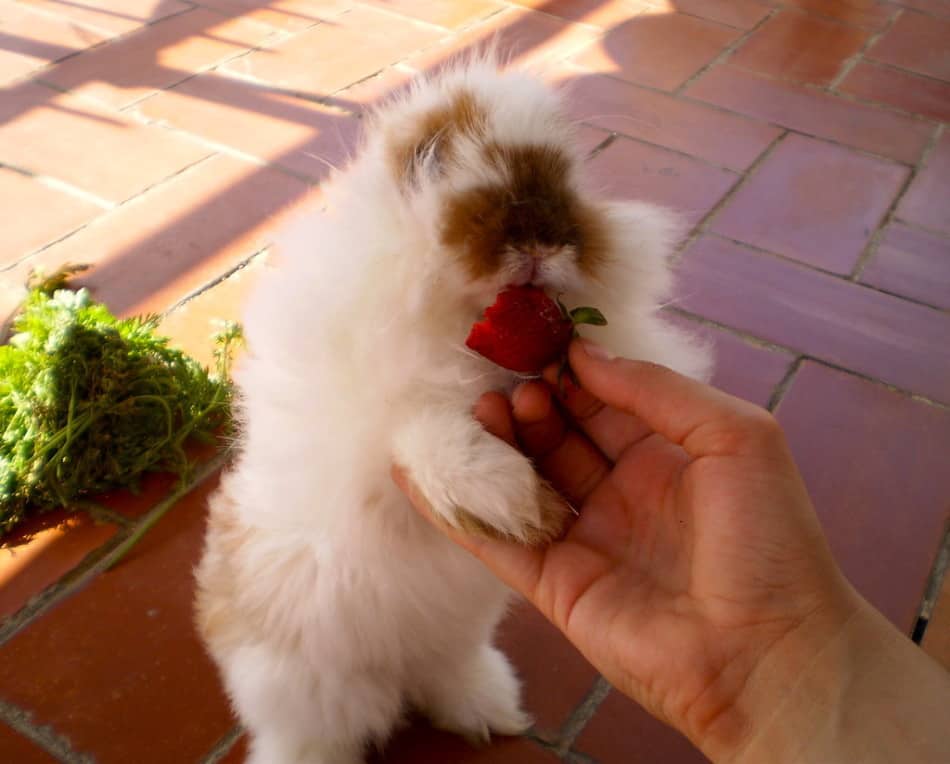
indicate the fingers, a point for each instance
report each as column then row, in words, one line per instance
column 701, row 419
column 613, row 431
column 564, row 456
column 494, row 413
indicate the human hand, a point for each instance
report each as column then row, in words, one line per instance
column 696, row 558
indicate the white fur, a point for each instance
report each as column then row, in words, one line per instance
column 328, row 604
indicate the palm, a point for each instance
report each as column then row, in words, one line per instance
column 667, row 577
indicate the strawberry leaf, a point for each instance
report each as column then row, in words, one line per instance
column 588, row 316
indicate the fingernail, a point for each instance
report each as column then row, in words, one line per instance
column 595, row 351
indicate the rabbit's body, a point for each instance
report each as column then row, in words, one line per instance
column 329, row 605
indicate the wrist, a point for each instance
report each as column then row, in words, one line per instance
column 851, row 689
column 789, row 685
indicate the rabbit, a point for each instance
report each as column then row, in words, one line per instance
column 330, row 607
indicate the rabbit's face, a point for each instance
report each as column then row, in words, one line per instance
column 487, row 165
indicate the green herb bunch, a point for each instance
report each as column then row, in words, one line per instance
column 90, row 402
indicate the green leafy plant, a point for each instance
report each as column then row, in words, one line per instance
column 90, row 402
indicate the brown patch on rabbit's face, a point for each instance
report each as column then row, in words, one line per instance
column 437, row 134
column 535, row 210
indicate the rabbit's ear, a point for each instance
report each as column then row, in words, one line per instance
column 429, row 142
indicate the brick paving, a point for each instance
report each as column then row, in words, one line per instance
column 164, row 141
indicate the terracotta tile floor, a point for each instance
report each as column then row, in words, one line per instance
column 163, row 141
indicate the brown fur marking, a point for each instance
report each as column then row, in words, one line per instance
column 537, row 207
column 555, row 515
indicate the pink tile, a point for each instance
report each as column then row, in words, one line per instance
column 810, row 111
column 789, row 207
column 622, row 731
column 42, row 549
column 800, row 47
column 16, row 748
column 295, row 133
column 894, row 87
column 186, row 232
column 936, row 641
column 938, row 8
column 661, row 51
column 114, row 16
column 747, row 370
column 555, row 677
column 420, row 744
column 822, row 316
column 191, row 326
column 872, row 14
column 873, row 460
column 628, row 169
column 287, row 15
column 451, row 14
column 524, row 38
column 37, row 215
column 918, row 43
column 117, row 668
column 96, row 150
column 743, row 14
column 374, row 90
column 711, row 134
column 912, row 263
column 331, row 56
column 601, row 13
column 157, row 56
column 29, row 40
column 925, row 202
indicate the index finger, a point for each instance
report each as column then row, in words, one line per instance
column 612, row 430
column 700, row 418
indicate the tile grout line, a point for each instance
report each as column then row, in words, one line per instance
column 805, row 356
column 725, row 53
column 572, row 22
column 816, row 89
column 678, row 152
column 601, row 147
column 848, row 65
column 222, row 149
column 103, row 557
column 901, row 70
column 778, row 392
column 61, row 185
column 35, row 75
column 581, row 715
column 887, row 108
column 405, row 18
column 223, row 745
column 43, row 736
column 845, row 278
column 690, row 99
column 891, row 213
column 274, row 38
column 704, row 223
column 938, row 570
column 578, row 757
column 936, row 232
column 105, row 213
column 226, row 15
column 259, row 255
column 686, row 97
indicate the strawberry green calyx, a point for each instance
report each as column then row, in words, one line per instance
column 588, row 315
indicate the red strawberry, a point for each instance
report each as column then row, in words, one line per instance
column 525, row 330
